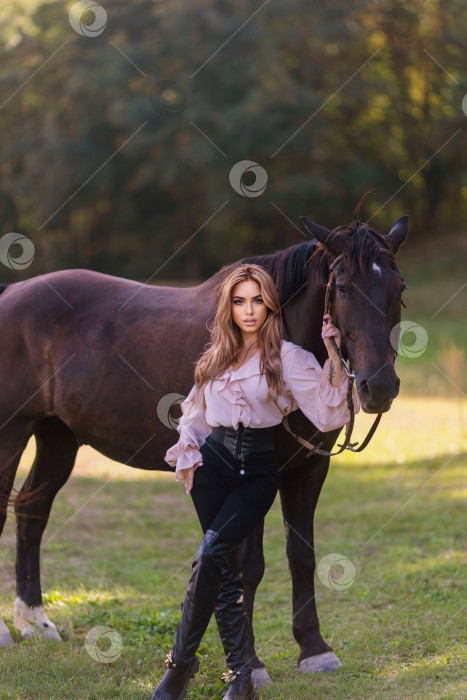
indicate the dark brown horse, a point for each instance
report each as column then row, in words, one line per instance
column 87, row 358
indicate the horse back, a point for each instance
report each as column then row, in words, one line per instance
column 75, row 336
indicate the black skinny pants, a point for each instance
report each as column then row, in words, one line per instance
column 227, row 501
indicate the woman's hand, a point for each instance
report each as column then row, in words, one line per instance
column 188, row 477
column 327, row 332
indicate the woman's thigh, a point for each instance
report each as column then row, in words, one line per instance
column 228, row 501
column 245, row 507
column 210, row 488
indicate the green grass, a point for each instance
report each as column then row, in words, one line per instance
column 122, row 558
column 436, row 299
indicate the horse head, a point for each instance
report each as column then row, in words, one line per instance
column 366, row 303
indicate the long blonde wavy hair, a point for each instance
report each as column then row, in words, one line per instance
column 226, row 338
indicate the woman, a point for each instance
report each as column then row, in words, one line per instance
column 245, row 382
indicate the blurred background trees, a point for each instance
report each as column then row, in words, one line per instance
column 106, row 165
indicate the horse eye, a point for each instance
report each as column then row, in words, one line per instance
column 341, row 289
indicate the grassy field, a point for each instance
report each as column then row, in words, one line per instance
column 436, row 299
column 119, row 544
column 118, row 551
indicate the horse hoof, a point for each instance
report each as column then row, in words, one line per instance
column 50, row 633
column 33, row 620
column 5, row 637
column 260, row 677
column 320, row 663
column 42, row 631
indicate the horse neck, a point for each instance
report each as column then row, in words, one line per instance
column 302, row 312
column 303, row 317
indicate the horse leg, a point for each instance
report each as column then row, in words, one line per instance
column 55, row 457
column 251, row 551
column 299, row 498
column 14, row 436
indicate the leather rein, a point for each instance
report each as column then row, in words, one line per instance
column 346, row 445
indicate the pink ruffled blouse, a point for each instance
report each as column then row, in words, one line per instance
column 241, row 396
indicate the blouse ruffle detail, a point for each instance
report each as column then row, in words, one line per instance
column 193, row 429
column 241, row 396
column 182, row 456
column 231, row 389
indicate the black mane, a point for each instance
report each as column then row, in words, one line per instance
column 291, row 268
column 288, row 267
column 360, row 245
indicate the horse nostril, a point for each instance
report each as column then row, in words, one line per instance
column 369, row 391
column 363, row 388
column 397, row 386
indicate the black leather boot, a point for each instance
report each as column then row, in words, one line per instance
column 232, row 622
column 175, row 680
column 241, row 686
column 200, row 599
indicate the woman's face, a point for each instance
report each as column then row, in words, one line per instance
column 249, row 310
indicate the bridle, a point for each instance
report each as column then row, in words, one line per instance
column 346, row 445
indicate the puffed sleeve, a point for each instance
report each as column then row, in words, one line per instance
column 193, row 430
column 311, row 390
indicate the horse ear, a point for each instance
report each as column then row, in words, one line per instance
column 322, row 234
column 398, row 233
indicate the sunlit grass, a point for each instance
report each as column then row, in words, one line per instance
column 119, row 556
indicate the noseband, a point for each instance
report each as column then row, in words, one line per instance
column 346, row 445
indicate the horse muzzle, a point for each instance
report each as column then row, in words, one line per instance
column 377, row 392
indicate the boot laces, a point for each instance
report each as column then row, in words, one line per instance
column 230, row 676
column 169, row 659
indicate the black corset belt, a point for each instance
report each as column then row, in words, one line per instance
column 244, row 440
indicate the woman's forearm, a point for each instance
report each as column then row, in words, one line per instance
column 335, row 369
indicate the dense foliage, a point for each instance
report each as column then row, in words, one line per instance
column 106, row 165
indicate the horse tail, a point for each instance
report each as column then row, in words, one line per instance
column 14, row 498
